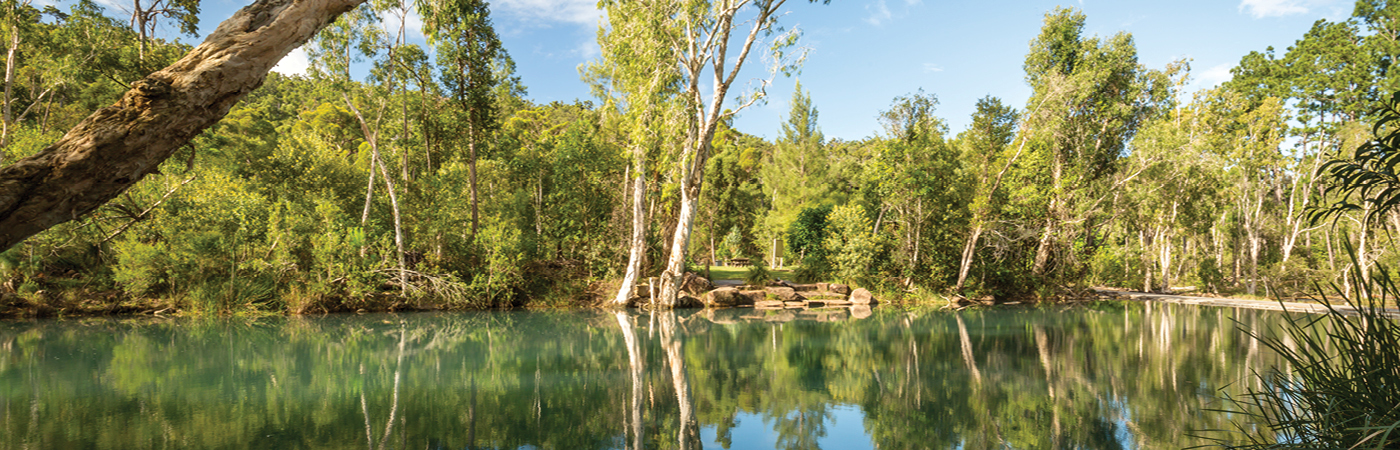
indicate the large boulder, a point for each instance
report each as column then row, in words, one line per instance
column 695, row 284
column 839, row 288
column 725, row 297
column 688, row 302
column 862, row 296
column 786, row 294
column 754, row 296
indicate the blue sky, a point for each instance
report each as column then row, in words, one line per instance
column 865, row 53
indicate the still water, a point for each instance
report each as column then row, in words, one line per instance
column 1112, row 375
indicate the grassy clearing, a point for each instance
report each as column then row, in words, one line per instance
column 737, row 273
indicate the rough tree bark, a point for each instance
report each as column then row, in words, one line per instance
column 118, row 145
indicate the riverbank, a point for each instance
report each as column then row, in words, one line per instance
column 1265, row 305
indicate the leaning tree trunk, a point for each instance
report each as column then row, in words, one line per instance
column 118, row 145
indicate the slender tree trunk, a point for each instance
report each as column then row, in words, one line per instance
column 376, row 161
column 639, row 223
column 9, row 85
column 1146, row 261
column 1042, row 250
column 1164, row 242
column 1253, row 259
column 138, row 17
column 369, row 197
column 118, row 145
column 471, row 174
column 965, row 263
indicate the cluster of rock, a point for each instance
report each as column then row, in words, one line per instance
column 700, row 293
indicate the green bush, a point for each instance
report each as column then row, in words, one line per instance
column 1342, row 391
column 850, row 245
column 813, row 269
column 758, row 274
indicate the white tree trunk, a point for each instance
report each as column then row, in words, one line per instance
column 638, row 241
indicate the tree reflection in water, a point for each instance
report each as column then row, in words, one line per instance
column 1107, row 376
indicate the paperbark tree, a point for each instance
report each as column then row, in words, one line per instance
column 1101, row 95
column 118, row 145
column 984, row 144
column 638, row 79
column 707, row 29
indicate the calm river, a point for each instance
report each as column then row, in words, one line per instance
column 1113, row 375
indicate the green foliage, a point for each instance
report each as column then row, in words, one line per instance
column 758, row 274
column 850, row 245
column 732, row 246
column 1339, row 393
column 1209, row 275
column 812, row 270
column 807, row 235
column 1367, row 181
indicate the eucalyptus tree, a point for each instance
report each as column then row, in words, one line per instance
column 984, row 152
column 639, row 84
column 119, row 145
column 17, row 18
column 144, row 18
column 1096, row 95
column 916, row 180
column 358, row 34
column 467, row 47
column 694, row 44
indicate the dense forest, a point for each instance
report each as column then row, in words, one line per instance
column 395, row 175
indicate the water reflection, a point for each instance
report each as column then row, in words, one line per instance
column 1110, row 376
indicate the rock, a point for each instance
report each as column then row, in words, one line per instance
column 805, row 287
column 829, row 302
column 786, row 294
column 839, row 289
column 753, row 297
column 688, row 302
column 725, row 297
column 696, row 284
column 794, row 304
column 768, row 304
column 860, row 311
column 823, row 286
column 862, row 296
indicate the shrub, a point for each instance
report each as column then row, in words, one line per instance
column 850, row 244
column 758, row 274
column 1346, row 365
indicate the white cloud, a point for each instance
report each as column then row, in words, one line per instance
column 295, row 63
column 1214, row 76
column 932, row 68
column 1278, row 8
column 588, row 50
column 878, row 14
column 581, row 12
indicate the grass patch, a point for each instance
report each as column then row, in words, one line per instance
column 738, row 273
